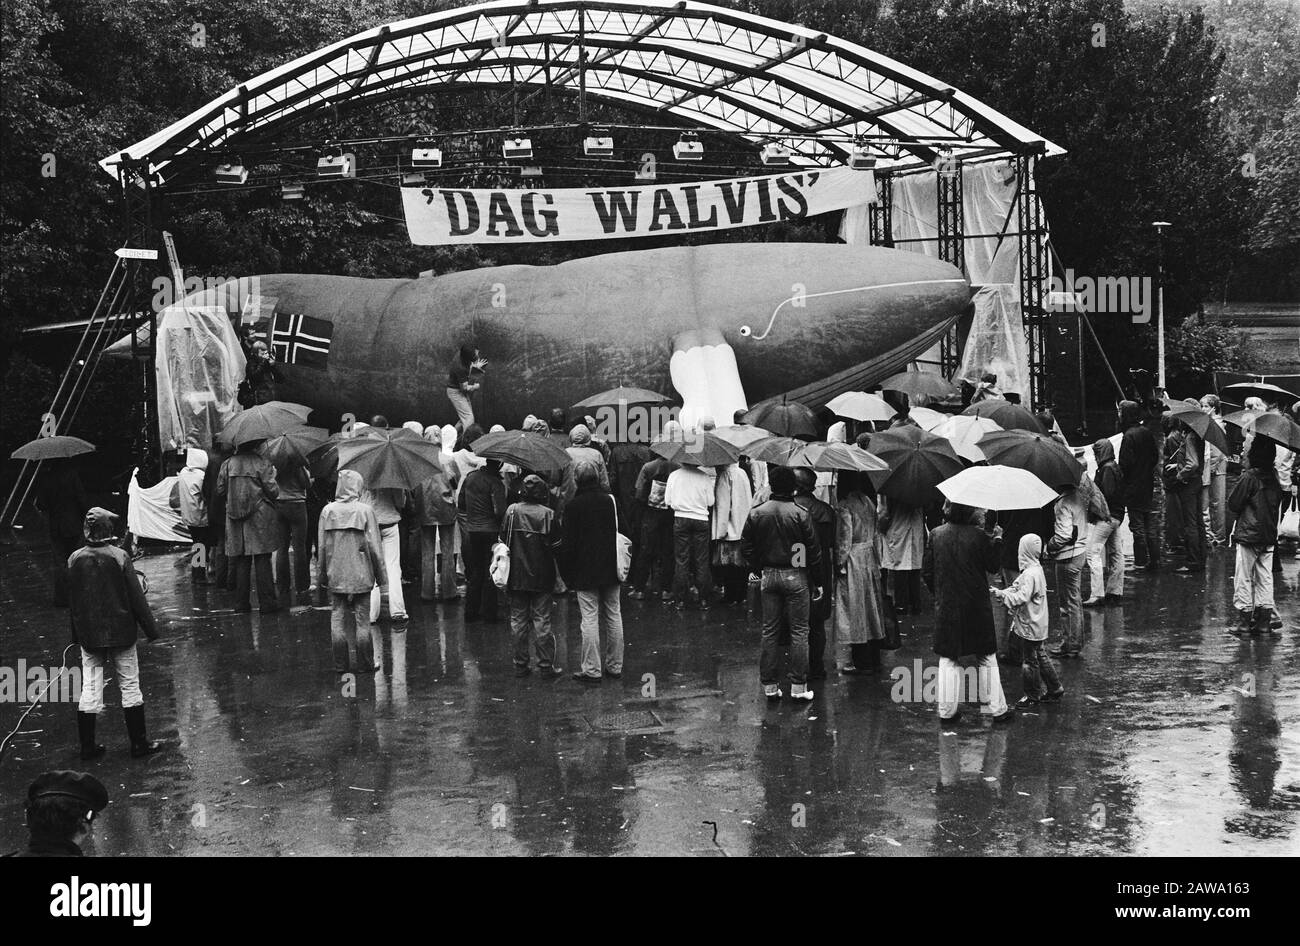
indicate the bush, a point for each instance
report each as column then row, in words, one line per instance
column 1195, row 350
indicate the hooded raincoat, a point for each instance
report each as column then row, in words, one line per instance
column 859, row 614
column 106, row 602
column 1027, row 596
column 188, row 491
column 247, row 481
column 351, row 556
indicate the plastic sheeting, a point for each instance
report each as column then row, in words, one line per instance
column 997, row 339
column 149, row 514
column 199, row 366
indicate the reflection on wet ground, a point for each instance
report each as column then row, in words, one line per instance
column 1175, row 738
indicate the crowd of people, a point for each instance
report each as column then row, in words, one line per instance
column 828, row 563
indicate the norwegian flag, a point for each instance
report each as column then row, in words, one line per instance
column 301, row 339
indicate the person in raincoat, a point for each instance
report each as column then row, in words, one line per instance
column 351, row 563
column 732, row 500
column 819, row 608
column 291, row 518
column 1105, row 553
column 435, row 501
column 108, row 609
column 187, row 497
column 62, row 497
column 219, row 569
column 1026, row 598
column 956, row 566
column 859, row 610
column 248, row 486
column 1255, row 502
column 531, row 532
column 902, row 530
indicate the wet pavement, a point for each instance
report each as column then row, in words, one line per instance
column 1174, row 738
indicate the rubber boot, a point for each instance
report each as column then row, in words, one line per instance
column 140, row 744
column 1242, row 626
column 86, row 730
column 1260, row 624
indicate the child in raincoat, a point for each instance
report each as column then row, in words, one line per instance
column 187, row 497
column 1026, row 599
column 351, row 564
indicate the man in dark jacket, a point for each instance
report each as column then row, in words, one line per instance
column 1254, row 503
column 108, row 605
column 779, row 543
column 61, row 807
column 589, row 563
column 653, row 565
column 823, row 519
column 1105, row 553
column 1137, row 463
column 532, row 534
column 61, row 496
column 482, row 504
column 1182, row 477
column 625, row 463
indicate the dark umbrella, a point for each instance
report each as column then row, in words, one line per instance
column 390, row 459
column 57, row 447
column 819, row 455
column 1006, row 415
column 918, row 463
column 532, row 452
column 1200, row 422
column 295, row 446
column 622, row 395
column 913, row 383
column 784, row 419
column 1279, row 429
column 264, row 421
column 740, row 435
column 323, row 460
column 1050, row 461
column 697, row 449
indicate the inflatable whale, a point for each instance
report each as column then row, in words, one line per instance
column 724, row 326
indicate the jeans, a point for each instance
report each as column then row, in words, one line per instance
column 993, row 702
column 1252, row 582
column 785, row 595
column 653, row 568
column 125, row 661
column 1104, row 549
column 1185, row 509
column 390, row 539
column 1146, row 538
column 1069, row 593
column 246, row 567
column 601, row 608
column 292, row 514
column 1214, row 507
column 345, row 640
column 464, row 409
column 481, row 594
column 530, row 619
column 438, row 581
column 691, row 542
column 1037, row 670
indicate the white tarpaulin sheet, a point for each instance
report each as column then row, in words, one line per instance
column 440, row 215
column 199, row 367
column 149, row 514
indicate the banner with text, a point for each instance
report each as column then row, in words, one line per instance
column 438, row 215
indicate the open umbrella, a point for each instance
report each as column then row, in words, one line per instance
column 533, row 452
column 927, row 418
column 918, row 462
column 913, row 383
column 1279, row 429
column 963, row 432
column 264, row 421
column 57, row 447
column 740, row 435
column 1050, row 461
column 390, row 459
column 1268, row 393
column 296, row 445
column 1200, row 422
column 1241, row 418
column 621, row 396
column 819, row 455
column 784, row 419
column 997, row 487
column 858, row 405
column 1006, row 415
column 323, row 460
column 698, row 449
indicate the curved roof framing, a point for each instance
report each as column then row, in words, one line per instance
column 692, row 63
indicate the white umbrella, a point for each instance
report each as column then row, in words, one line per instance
column 859, row 405
column 963, row 432
column 927, row 417
column 997, row 488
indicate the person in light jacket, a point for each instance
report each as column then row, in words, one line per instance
column 1105, row 553
column 351, row 564
column 1027, row 601
column 1254, row 502
column 732, row 501
column 187, row 498
column 435, row 502
column 1069, row 546
column 248, row 486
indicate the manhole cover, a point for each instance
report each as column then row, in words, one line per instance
column 628, row 722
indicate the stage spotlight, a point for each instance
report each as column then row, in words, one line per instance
column 947, row 165
column 775, row 155
column 599, row 144
column 517, row 147
column 689, row 148
column 414, row 180
column 861, row 158
column 293, row 191
column 232, row 174
column 336, row 166
column 425, row 155
column 530, row 170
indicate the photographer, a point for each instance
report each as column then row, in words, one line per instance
column 260, row 377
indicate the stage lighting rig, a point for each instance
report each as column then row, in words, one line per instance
column 689, row 147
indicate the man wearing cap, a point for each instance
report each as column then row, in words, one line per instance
column 108, row 606
column 60, row 809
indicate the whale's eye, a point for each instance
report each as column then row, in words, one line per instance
column 746, row 331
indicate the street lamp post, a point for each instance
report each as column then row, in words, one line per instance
column 1160, row 301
